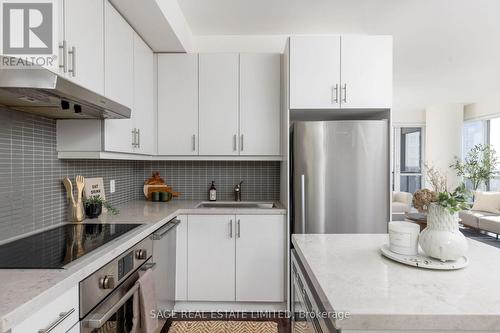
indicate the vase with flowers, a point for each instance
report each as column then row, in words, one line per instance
column 442, row 239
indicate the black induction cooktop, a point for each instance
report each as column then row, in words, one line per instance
column 55, row 248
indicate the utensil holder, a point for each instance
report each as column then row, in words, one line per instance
column 76, row 212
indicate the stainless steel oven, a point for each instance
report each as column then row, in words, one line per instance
column 308, row 316
column 107, row 296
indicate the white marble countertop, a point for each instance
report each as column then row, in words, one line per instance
column 350, row 274
column 24, row 291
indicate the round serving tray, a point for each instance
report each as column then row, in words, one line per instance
column 421, row 260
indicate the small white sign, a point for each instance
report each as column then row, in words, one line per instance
column 93, row 187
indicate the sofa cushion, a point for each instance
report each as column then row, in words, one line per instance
column 399, row 207
column 487, row 202
column 471, row 217
column 490, row 223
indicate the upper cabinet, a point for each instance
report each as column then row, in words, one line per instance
column 314, row 72
column 144, row 106
column 341, row 72
column 119, row 57
column 218, row 105
column 178, row 104
column 260, row 104
column 81, row 45
column 119, row 134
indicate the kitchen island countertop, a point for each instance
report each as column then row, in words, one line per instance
column 24, row 291
column 349, row 274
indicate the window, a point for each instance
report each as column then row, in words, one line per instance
column 408, row 159
column 483, row 132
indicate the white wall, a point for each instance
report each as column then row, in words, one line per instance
column 486, row 108
column 240, row 43
column 443, row 138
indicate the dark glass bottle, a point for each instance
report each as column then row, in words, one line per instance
column 212, row 193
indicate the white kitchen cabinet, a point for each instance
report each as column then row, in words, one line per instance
column 340, row 72
column 144, row 108
column 218, row 104
column 366, row 72
column 63, row 309
column 260, row 101
column 181, row 268
column 120, row 135
column 84, row 42
column 178, row 104
column 211, row 266
column 260, row 258
column 315, row 72
column 74, row 329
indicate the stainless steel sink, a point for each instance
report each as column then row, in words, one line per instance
column 236, row 204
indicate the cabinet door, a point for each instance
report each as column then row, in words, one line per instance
column 181, row 254
column 119, row 57
column 218, row 104
column 119, row 78
column 178, row 104
column 314, row 72
column 84, row 31
column 366, row 72
column 260, row 78
column 211, row 256
column 144, row 112
column 260, row 258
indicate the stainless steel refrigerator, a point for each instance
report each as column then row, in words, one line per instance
column 340, row 176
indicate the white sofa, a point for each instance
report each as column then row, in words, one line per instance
column 485, row 213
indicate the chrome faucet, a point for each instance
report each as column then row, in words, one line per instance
column 237, row 191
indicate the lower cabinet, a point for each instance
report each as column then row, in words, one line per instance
column 232, row 258
column 58, row 316
column 211, row 266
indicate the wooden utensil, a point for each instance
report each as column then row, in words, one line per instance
column 69, row 190
column 80, row 184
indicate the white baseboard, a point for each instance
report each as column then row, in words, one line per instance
column 228, row 306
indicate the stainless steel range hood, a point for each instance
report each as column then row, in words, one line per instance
column 40, row 91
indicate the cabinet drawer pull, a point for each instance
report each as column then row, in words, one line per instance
column 64, row 48
column 73, row 61
column 241, row 143
column 344, row 88
column 194, row 142
column 231, row 228
column 138, row 138
column 235, row 142
column 335, row 94
column 62, row 317
column 134, row 138
column 238, row 230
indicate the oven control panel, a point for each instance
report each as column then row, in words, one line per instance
column 102, row 282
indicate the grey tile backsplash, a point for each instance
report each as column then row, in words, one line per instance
column 33, row 197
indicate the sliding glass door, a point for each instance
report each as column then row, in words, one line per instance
column 407, row 162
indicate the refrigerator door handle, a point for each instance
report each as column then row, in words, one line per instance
column 303, row 201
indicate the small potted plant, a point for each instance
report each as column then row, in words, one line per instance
column 93, row 206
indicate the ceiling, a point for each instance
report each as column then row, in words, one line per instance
column 444, row 50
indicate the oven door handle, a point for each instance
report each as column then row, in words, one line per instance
column 97, row 320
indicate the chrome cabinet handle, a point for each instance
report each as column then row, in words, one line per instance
column 335, row 94
column 303, row 201
column 73, row 61
column 241, row 143
column 235, row 143
column 194, row 142
column 159, row 234
column 64, row 48
column 138, row 138
column 238, row 234
column 62, row 317
column 344, row 88
column 231, row 228
column 134, row 138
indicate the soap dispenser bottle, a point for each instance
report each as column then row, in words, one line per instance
column 212, row 193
